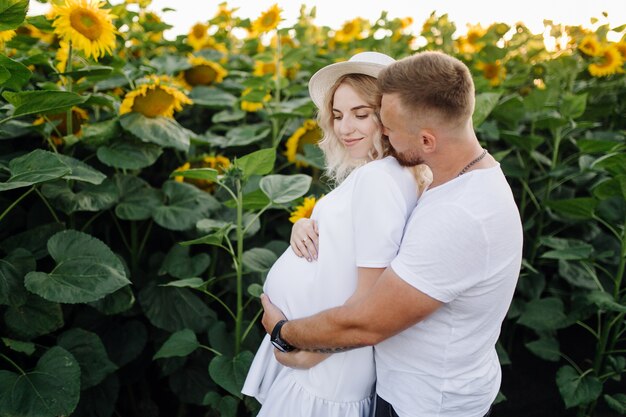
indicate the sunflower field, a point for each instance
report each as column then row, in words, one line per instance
column 147, row 185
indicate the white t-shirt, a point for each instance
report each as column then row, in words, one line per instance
column 361, row 223
column 463, row 247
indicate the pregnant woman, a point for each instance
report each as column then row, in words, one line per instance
column 360, row 224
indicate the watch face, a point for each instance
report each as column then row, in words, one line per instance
column 278, row 346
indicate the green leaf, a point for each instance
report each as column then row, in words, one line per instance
column 184, row 206
column 576, row 275
column 125, row 341
column 18, row 73
column 90, row 70
column 179, row 264
column 605, row 301
column 546, row 348
column 617, row 402
column 99, row 401
column 163, row 131
column 33, row 168
column 573, row 105
column 260, row 162
column 91, row 355
column 137, row 199
column 258, row 259
column 12, row 13
column 13, row 268
column 544, row 314
column 577, row 390
column 230, row 373
column 216, row 238
column 129, row 154
column 115, row 303
column 81, row 171
column 87, row 197
column 566, row 249
column 42, row 101
column 179, row 344
column 173, row 309
column 86, row 270
column 574, row 208
column 51, row 389
column 36, row 317
column 206, row 174
column 33, row 240
column 18, row 346
column 255, row 290
column 228, row 115
column 285, row 188
column 485, row 103
column 194, row 282
column 247, row 134
column 100, row 133
column 212, row 97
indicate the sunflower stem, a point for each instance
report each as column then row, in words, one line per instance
column 69, row 86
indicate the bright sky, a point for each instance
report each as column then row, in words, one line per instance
column 334, row 13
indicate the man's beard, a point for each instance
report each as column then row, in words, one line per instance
column 406, row 159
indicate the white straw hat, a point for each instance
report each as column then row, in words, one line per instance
column 368, row 63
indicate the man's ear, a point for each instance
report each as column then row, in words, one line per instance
column 429, row 140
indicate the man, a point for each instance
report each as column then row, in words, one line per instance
column 434, row 315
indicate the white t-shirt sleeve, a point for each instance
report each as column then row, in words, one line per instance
column 438, row 251
column 379, row 213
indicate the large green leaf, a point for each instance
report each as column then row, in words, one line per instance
column 101, row 400
column 86, row 270
column 33, row 240
column 18, row 346
column 137, row 199
column 100, row 133
column 12, row 13
column 125, row 341
column 18, row 73
column 617, row 402
column 260, row 162
column 33, row 168
column 85, row 198
column 36, row 317
column 115, row 303
column 573, row 105
column 546, row 348
column 576, row 274
column 81, row 171
column 173, row 309
column 129, row 154
column 180, row 264
column 91, row 355
column 247, row 134
column 13, row 268
column 212, row 97
column 605, row 301
column 51, row 389
column 230, row 373
column 163, row 131
column 180, row 343
column 544, row 314
column 285, row 188
column 184, row 206
column 485, row 103
column 566, row 249
column 574, row 208
column 258, row 259
column 42, row 102
column 577, row 389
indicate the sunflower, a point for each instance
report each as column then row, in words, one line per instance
column 308, row 133
column 590, row 46
column 350, row 31
column 202, row 72
column 86, row 25
column 495, row 72
column 262, row 68
column 155, row 97
column 254, row 100
column 610, row 62
column 184, row 167
column 218, row 162
column 60, row 124
column 6, row 35
column 285, row 40
column 224, row 16
column 471, row 42
column 304, row 210
column 268, row 20
column 62, row 55
column 198, row 36
column 621, row 47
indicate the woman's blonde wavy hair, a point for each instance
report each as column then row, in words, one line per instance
column 338, row 161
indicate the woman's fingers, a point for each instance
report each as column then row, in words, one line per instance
column 311, row 245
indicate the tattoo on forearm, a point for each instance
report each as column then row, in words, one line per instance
column 332, row 350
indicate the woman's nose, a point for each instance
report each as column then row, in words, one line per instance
column 346, row 125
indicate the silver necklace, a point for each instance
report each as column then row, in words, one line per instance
column 464, row 170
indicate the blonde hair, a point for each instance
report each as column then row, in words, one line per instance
column 339, row 164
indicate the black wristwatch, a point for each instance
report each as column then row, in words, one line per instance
column 279, row 343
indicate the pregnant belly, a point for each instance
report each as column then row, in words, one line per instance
column 290, row 284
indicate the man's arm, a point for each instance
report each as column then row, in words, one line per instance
column 390, row 306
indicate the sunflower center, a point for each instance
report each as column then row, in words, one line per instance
column 200, row 75
column 86, row 23
column 269, row 19
column 311, row 137
column 198, row 31
column 491, row 71
column 156, row 102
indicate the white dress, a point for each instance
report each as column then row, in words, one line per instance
column 361, row 223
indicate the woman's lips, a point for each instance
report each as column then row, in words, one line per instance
column 350, row 142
